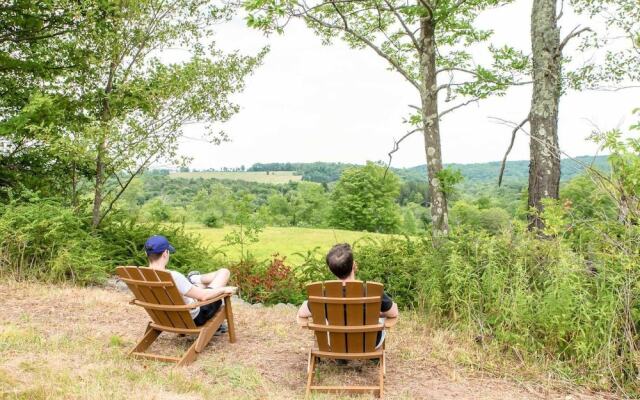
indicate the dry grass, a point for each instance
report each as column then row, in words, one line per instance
column 60, row 342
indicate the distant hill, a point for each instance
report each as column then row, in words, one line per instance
column 515, row 171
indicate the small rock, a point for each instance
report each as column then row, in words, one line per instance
column 257, row 305
column 117, row 284
column 121, row 286
column 280, row 306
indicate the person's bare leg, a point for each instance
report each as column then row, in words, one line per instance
column 216, row 279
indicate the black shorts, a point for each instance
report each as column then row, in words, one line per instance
column 207, row 312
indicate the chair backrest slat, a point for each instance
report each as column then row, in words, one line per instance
column 318, row 314
column 138, row 291
column 352, row 325
column 372, row 315
column 355, row 317
column 169, row 296
column 335, row 316
column 166, row 294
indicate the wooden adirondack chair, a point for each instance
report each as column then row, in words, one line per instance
column 157, row 293
column 345, row 321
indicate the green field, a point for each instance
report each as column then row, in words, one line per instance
column 285, row 241
column 260, row 177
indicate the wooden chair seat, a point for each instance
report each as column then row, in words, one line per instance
column 156, row 292
column 345, row 322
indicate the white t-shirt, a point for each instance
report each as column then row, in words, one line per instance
column 183, row 285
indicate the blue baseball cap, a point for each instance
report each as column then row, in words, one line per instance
column 156, row 244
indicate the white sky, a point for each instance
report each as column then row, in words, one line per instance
column 310, row 102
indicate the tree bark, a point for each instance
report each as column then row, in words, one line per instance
column 101, row 150
column 544, row 166
column 431, row 126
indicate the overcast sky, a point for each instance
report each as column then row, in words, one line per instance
column 310, row 102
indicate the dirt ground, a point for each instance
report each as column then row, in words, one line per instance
column 68, row 342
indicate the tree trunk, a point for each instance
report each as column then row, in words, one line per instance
column 97, row 194
column 431, row 126
column 101, row 150
column 544, row 167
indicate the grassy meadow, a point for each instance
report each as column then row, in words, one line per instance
column 260, row 177
column 286, row 241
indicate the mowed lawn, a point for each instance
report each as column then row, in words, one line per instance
column 260, row 177
column 285, row 241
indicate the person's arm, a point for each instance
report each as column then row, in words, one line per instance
column 303, row 311
column 392, row 313
column 388, row 309
column 206, row 294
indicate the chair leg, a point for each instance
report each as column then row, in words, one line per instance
column 310, row 371
column 208, row 330
column 188, row 357
column 381, row 376
column 149, row 337
column 229, row 316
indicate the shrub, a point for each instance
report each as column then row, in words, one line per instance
column 213, row 220
column 270, row 282
column 45, row 240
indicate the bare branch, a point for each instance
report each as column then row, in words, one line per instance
column 466, row 103
column 506, row 154
column 396, row 147
column 545, row 144
column 561, row 11
column 574, row 32
column 613, row 89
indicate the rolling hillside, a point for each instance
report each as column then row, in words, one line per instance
column 515, row 171
column 247, row 176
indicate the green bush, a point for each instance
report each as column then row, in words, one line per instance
column 45, row 240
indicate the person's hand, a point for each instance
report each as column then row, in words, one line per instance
column 229, row 289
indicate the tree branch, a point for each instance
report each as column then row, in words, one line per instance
column 405, row 27
column 571, row 35
column 506, row 154
column 466, row 103
column 396, row 147
column 366, row 41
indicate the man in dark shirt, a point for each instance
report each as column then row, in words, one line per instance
column 341, row 263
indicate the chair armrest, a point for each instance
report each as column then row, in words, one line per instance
column 390, row 322
column 205, row 302
column 302, row 322
column 182, row 307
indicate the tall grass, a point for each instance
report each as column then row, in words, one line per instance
column 573, row 303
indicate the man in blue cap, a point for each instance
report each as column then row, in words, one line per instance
column 198, row 287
